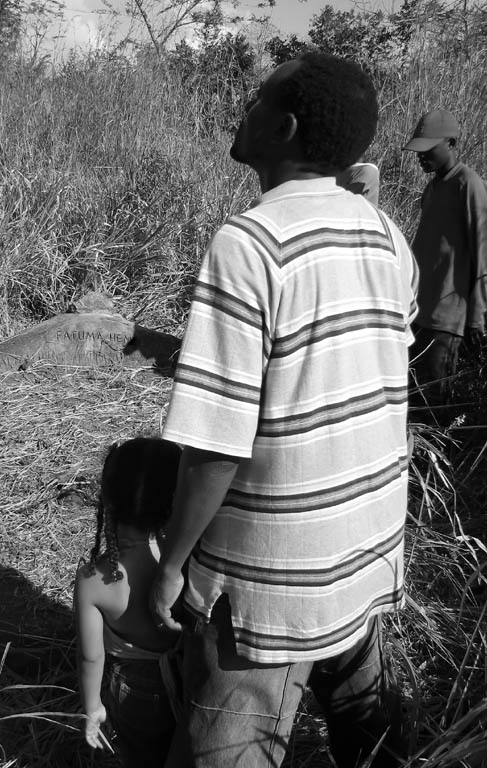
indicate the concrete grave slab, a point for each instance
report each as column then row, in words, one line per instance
column 90, row 339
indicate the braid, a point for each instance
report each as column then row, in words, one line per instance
column 99, row 527
column 137, row 485
column 112, row 548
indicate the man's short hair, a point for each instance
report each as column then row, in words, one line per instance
column 335, row 104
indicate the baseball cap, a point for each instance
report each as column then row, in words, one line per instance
column 431, row 129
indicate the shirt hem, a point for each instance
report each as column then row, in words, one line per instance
column 204, row 444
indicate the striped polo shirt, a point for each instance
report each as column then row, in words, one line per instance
column 295, row 359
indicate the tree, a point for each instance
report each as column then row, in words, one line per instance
column 366, row 37
column 283, row 50
column 10, row 24
column 168, row 21
column 22, row 19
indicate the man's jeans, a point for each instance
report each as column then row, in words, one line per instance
column 239, row 714
column 361, row 703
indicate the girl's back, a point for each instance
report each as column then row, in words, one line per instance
column 125, row 603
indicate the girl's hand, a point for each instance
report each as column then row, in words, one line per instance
column 92, row 726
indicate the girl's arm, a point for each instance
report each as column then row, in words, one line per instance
column 91, row 654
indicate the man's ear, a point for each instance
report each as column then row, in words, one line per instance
column 286, row 128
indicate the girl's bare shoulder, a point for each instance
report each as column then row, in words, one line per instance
column 93, row 571
column 94, row 580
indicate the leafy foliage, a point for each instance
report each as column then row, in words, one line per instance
column 365, row 36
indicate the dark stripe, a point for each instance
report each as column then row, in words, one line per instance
column 314, row 500
column 327, row 237
column 286, row 577
column 296, row 241
column 256, row 231
column 233, row 307
column 337, row 325
column 309, row 241
column 290, row 643
column 225, row 302
column 212, row 382
column 328, row 415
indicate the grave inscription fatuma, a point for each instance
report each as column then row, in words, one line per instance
column 89, row 339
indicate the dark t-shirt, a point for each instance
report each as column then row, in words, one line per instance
column 450, row 247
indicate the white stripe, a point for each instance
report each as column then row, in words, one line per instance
column 335, row 397
column 239, row 375
column 330, row 431
column 252, row 560
column 189, row 439
column 314, row 596
column 330, row 308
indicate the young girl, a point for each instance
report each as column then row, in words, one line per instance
column 112, row 604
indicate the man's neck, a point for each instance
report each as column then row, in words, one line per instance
column 442, row 172
column 289, row 171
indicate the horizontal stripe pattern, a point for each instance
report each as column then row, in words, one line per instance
column 302, row 577
column 337, row 325
column 295, row 359
column 295, row 647
column 212, row 382
column 327, row 415
column 224, row 302
column 324, row 498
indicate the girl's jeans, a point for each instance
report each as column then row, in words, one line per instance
column 140, row 713
column 238, row 714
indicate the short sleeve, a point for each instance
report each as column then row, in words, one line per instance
column 216, row 395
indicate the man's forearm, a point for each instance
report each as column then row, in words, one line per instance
column 203, row 481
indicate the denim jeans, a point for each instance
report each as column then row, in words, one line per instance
column 361, row 704
column 140, row 713
column 239, row 714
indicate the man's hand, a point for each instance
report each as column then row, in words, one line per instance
column 473, row 338
column 165, row 591
column 204, row 478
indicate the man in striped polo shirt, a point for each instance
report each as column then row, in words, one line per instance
column 290, row 398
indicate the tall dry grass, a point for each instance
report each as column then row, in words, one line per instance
column 112, row 177
column 115, row 174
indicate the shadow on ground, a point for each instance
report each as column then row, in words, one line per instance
column 39, row 706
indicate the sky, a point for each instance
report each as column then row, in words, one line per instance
column 88, row 23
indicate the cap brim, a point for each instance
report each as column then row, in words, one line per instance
column 421, row 145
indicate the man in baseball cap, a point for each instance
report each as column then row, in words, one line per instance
column 450, row 247
column 431, row 129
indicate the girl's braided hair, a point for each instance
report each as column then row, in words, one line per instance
column 137, row 486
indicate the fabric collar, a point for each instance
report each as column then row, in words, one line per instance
column 452, row 172
column 300, row 187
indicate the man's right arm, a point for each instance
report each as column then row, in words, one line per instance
column 203, row 481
